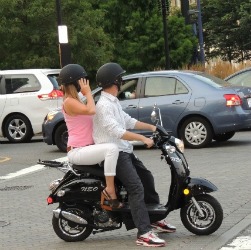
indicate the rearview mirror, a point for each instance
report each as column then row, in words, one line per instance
column 156, row 115
column 153, row 116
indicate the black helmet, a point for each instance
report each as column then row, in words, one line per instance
column 71, row 73
column 109, row 74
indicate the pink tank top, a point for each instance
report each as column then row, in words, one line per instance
column 79, row 129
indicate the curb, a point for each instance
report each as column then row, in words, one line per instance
column 230, row 234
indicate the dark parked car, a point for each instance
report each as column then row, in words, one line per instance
column 240, row 78
column 196, row 107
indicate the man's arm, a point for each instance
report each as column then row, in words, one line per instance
column 145, row 126
column 132, row 123
column 130, row 136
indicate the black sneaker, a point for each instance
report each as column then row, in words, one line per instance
column 150, row 239
column 163, row 226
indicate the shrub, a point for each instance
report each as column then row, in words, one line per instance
column 220, row 68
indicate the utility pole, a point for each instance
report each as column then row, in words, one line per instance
column 59, row 15
column 200, row 29
column 184, row 5
column 187, row 15
column 63, row 46
column 164, row 16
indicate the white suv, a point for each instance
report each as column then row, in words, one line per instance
column 26, row 96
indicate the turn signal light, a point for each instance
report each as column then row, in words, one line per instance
column 186, row 191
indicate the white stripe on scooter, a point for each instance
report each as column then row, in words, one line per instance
column 28, row 170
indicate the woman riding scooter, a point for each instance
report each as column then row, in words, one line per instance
column 79, row 121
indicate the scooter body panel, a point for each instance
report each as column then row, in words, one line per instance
column 200, row 185
column 181, row 180
column 179, row 174
column 79, row 190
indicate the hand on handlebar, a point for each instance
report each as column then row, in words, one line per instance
column 148, row 142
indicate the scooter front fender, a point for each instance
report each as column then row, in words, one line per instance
column 200, row 185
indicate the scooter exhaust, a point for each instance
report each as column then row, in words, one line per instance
column 69, row 216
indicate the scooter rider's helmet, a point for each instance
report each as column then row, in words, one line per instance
column 109, row 74
column 70, row 74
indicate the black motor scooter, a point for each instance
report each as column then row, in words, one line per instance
column 82, row 210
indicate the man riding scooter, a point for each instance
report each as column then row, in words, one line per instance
column 111, row 124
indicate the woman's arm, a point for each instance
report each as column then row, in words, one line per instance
column 75, row 107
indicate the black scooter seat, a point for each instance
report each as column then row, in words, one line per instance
column 91, row 169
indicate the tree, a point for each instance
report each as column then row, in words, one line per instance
column 244, row 33
column 91, row 46
column 28, row 31
column 227, row 29
column 27, row 37
column 182, row 44
column 127, row 31
column 137, row 33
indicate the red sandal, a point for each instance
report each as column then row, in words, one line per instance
column 113, row 203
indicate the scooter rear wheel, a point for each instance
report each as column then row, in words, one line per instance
column 206, row 224
column 71, row 231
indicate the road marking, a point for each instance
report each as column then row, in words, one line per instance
column 240, row 243
column 2, row 159
column 28, row 170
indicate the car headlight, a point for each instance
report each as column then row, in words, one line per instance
column 51, row 115
column 180, row 145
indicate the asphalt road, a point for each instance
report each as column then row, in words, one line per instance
column 25, row 219
column 16, row 156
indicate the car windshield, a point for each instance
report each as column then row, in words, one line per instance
column 212, row 80
column 242, row 79
column 53, row 79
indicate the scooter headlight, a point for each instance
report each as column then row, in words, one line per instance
column 180, row 145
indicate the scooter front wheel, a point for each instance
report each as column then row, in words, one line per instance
column 200, row 224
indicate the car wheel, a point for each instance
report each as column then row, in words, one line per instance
column 61, row 137
column 196, row 132
column 17, row 128
column 224, row 136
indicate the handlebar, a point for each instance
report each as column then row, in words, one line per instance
column 160, row 136
column 162, row 131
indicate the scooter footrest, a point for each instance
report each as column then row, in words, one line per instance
column 151, row 208
column 156, row 208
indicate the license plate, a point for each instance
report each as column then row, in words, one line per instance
column 249, row 102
